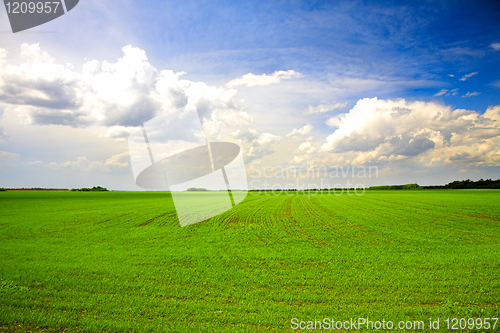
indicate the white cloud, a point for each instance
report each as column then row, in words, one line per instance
column 6, row 156
column 467, row 76
column 231, row 124
column 125, row 93
column 493, row 113
column 322, row 108
column 442, row 92
column 119, row 133
column 447, row 93
column 335, row 121
column 122, row 95
column 3, row 135
column 451, row 75
column 470, row 94
column 250, row 79
column 376, row 130
column 308, row 147
column 112, row 164
column 301, row 131
column 495, row 46
column 263, row 145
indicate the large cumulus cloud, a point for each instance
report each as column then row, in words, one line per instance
column 127, row 92
column 387, row 130
column 121, row 95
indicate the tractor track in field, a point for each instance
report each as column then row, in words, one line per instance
column 153, row 219
column 297, row 228
column 478, row 217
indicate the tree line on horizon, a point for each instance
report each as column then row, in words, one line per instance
column 468, row 184
column 457, row 184
column 93, row 189
column 33, row 189
column 396, row 187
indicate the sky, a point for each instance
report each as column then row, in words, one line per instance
column 407, row 88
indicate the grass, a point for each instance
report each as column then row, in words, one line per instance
column 119, row 261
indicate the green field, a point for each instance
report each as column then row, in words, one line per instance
column 119, row 261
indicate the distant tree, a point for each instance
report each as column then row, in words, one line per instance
column 396, row 187
column 196, row 189
column 93, row 189
column 468, row 184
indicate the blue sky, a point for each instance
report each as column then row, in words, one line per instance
column 443, row 53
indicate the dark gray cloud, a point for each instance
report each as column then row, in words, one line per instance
column 408, row 145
